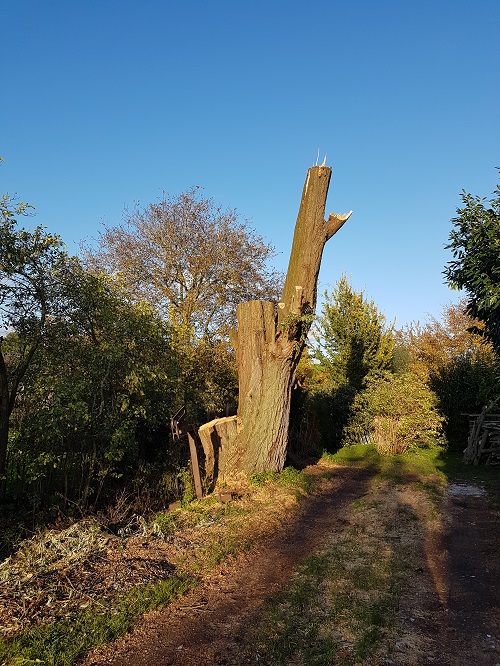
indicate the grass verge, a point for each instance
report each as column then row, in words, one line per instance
column 63, row 642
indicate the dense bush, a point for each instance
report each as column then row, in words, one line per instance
column 352, row 345
column 96, row 399
column 397, row 411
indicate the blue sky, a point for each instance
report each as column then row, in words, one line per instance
column 107, row 102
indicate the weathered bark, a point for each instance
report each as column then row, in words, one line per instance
column 268, row 347
column 310, row 235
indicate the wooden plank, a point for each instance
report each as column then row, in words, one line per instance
column 195, row 466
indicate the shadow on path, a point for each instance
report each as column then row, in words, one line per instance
column 201, row 626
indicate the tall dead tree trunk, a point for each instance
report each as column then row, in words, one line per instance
column 268, row 347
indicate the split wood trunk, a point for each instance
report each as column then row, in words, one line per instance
column 268, row 344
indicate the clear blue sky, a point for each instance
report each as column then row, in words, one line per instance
column 105, row 102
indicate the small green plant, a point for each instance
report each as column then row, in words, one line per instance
column 165, row 523
column 188, row 492
column 261, row 478
column 293, row 320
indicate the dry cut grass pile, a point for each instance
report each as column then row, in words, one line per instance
column 58, row 572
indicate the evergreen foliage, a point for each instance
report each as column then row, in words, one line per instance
column 354, row 345
column 354, row 342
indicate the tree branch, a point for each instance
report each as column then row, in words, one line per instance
column 335, row 222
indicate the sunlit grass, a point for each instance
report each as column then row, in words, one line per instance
column 418, row 464
column 341, row 605
column 337, row 608
column 288, row 478
column 63, row 642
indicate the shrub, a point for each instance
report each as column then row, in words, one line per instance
column 398, row 412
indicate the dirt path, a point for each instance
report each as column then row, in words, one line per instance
column 449, row 613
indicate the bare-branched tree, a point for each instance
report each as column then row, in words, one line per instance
column 194, row 261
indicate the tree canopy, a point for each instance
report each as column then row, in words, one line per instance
column 97, row 394
column 32, row 263
column 456, row 336
column 194, row 261
column 457, row 362
column 475, row 267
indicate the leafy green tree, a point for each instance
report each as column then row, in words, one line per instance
column 32, row 263
column 354, row 343
column 98, row 395
column 475, row 267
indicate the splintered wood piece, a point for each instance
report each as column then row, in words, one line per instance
column 195, row 466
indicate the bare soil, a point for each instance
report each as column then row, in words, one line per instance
column 449, row 612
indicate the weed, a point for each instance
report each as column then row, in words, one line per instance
column 189, row 492
column 165, row 523
column 261, row 478
column 294, row 478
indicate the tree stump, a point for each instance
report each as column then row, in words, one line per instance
column 268, row 344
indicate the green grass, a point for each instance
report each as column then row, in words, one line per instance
column 360, row 455
column 335, row 610
column 418, row 462
column 288, row 478
column 341, row 604
column 423, row 465
column 63, row 642
column 218, row 549
column 291, row 478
